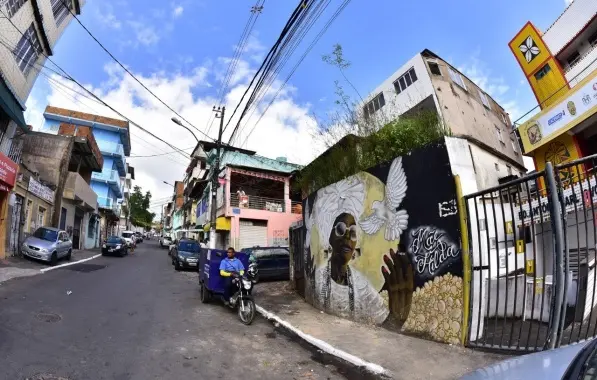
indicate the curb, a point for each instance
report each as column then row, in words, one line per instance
column 44, row 270
column 363, row 365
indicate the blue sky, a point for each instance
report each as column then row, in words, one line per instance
column 180, row 47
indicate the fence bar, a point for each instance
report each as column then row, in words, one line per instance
column 556, row 222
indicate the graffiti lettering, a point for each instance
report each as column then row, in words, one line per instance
column 431, row 248
column 447, row 208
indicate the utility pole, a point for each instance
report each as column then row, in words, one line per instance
column 214, row 180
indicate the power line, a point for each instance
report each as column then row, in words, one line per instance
column 69, row 77
column 161, row 154
column 133, row 76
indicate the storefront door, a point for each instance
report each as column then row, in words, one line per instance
column 15, row 226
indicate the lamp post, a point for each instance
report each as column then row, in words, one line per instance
column 176, row 121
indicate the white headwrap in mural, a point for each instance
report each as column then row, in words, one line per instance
column 346, row 196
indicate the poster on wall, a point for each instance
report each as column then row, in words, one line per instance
column 382, row 246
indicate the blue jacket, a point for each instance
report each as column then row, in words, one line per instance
column 231, row 265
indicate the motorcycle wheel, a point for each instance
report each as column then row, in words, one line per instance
column 246, row 316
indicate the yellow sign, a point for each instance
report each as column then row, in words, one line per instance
column 529, row 49
column 519, row 246
column 578, row 105
column 509, row 229
column 530, row 266
column 539, row 285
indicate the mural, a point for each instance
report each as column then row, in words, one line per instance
column 378, row 251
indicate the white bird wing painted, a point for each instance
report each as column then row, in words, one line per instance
column 396, row 225
column 395, row 185
column 371, row 224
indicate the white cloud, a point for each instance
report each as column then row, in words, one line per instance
column 286, row 129
column 568, row 2
column 106, row 17
column 177, row 11
column 145, row 34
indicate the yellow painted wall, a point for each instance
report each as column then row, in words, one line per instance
column 553, row 83
column 558, row 151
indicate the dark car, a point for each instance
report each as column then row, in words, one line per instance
column 115, row 245
column 139, row 237
column 185, row 254
column 273, row 263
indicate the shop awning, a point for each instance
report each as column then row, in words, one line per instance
column 11, row 107
column 222, row 224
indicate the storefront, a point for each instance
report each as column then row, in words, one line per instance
column 8, row 177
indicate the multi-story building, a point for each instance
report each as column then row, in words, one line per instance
column 29, row 31
column 124, row 224
column 560, row 65
column 177, row 212
column 54, row 189
column 254, row 206
column 428, row 83
column 113, row 139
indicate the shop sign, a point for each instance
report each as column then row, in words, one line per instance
column 562, row 116
column 8, row 170
column 40, row 190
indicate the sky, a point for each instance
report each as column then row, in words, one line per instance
column 181, row 49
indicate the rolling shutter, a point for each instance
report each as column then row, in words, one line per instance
column 253, row 233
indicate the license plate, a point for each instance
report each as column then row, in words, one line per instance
column 192, row 264
column 111, row 250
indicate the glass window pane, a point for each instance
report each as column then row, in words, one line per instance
column 413, row 75
column 397, row 87
column 382, row 100
column 402, row 83
column 407, row 78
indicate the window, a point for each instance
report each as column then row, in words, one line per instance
column 505, row 119
column 573, row 59
column 498, row 133
column 497, row 167
column 41, row 216
column 434, row 68
column 457, row 78
column 374, row 105
column 593, row 39
column 484, row 99
column 27, row 50
column 543, row 71
column 509, row 169
column 405, row 80
column 28, row 215
column 13, row 6
column 514, row 146
column 60, row 10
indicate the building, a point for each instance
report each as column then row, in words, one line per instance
column 54, row 188
column 177, row 211
column 167, row 217
column 113, row 140
column 29, row 31
column 427, row 82
column 254, row 206
column 560, row 65
column 124, row 224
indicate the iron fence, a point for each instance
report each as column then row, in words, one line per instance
column 532, row 246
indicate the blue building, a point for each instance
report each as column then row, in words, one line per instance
column 113, row 140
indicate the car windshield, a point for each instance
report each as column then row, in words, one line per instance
column 114, row 239
column 270, row 252
column 189, row 246
column 46, row 234
column 127, row 234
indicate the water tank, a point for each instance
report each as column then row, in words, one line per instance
column 282, row 159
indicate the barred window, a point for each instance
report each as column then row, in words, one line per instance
column 27, row 50
column 60, row 10
column 13, row 6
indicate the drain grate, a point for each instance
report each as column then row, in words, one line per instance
column 48, row 317
column 85, row 268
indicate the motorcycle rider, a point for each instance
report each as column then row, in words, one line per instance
column 228, row 266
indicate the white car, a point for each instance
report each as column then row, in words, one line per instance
column 165, row 241
column 129, row 237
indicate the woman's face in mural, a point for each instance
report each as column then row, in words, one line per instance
column 343, row 237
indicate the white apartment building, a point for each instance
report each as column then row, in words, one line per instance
column 427, row 82
column 124, row 223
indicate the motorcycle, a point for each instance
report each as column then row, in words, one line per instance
column 242, row 298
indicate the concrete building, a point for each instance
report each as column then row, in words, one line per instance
column 29, row 31
column 113, row 139
column 254, row 206
column 124, row 224
column 61, row 166
column 427, row 82
column 560, row 65
column 177, row 210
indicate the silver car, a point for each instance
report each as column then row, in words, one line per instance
column 48, row 244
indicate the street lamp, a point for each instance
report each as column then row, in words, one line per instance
column 168, row 183
column 176, row 121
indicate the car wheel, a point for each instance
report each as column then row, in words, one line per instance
column 176, row 266
column 69, row 255
column 54, row 259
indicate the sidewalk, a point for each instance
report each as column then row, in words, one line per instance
column 403, row 356
column 13, row 267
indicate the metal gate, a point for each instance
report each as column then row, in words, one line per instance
column 253, row 233
column 297, row 243
column 531, row 248
column 16, row 226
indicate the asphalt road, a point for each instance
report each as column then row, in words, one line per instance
column 136, row 318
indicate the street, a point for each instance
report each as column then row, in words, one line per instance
column 136, row 318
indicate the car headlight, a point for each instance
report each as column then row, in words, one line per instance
column 104, row 246
column 118, row 246
column 43, row 250
column 247, row 284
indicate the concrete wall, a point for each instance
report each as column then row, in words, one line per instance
column 351, row 260
column 44, row 153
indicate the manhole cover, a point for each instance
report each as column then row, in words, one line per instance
column 85, row 268
column 50, row 318
column 46, row 376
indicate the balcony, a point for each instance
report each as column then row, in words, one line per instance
column 584, row 67
column 110, row 177
column 116, row 150
column 76, row 189
column 254, row 202
column 109, row 204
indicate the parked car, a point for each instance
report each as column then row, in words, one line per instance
column 185, row 254
column 165, row 241
column 139, row 237
column 129, row 237
column 273, row 263
column 576, row 361
column 48, row 244
column 115, row 245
